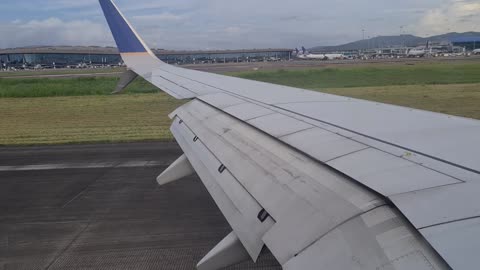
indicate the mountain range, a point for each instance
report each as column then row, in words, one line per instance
column 395, row 41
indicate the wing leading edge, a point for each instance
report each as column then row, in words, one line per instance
column 321, row 180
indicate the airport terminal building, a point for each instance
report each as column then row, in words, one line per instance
column 74, row 56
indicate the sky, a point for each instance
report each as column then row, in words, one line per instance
column 232, row 24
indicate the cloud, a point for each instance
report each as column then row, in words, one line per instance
column 229, row 24
column 149, row 6
column 67, row 4
column 162, row 17
column 54, row 31
column 235, row 30
column 454, row 16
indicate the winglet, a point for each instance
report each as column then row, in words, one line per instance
column 127, row 39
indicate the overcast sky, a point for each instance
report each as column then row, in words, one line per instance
column 232, row 24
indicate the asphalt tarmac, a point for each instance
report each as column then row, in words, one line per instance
column 99, row 207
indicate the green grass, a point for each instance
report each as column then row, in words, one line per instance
column 81, row 110
column 59, row 72
column 317, row 79
column 382, row 75
column 62, row 120
column 68, row 87
column 140, row 117
column 455, row 99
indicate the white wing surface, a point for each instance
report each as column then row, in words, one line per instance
column 323, row 181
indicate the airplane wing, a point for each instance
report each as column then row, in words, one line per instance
column 323, row 181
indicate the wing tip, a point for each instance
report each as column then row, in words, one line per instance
column 127, row 40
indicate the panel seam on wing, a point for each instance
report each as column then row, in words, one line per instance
column 340, row 224
column 449, row 222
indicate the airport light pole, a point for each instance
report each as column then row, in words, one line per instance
column 363, row 37
column 402, row 43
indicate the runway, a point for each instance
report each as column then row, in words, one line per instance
column 99, row 207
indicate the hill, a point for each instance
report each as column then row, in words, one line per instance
column 394, row 41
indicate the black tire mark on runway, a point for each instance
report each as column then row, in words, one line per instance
column 55, row 259
column 89, row 185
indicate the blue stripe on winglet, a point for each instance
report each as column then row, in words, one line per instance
column 127, row 41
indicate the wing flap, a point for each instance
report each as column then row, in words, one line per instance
column 305, row 200
column 379, row 239
column 238, row 206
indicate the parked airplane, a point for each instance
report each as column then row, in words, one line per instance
column 322, row 181
column 476, row 51
column 328, row 56
column 312, row 56
column 420, row 51
column 335, row 56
